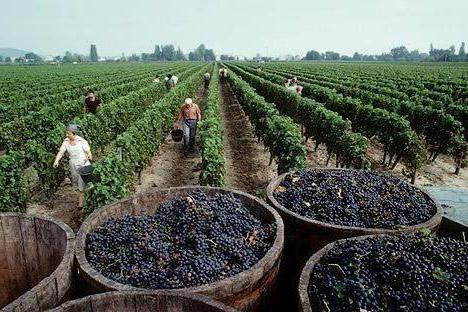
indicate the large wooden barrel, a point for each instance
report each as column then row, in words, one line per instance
column 309, row 235
column 133, row 301
column 305, row 277
column 36, row 259
column 246, row 291
column 304, row 236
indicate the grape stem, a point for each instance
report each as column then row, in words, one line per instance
column 211, row 241
column 339, row 267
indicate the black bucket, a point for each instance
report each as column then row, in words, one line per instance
column 177, row 135
column 86, row 173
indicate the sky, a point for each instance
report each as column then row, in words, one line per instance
column 238, row 27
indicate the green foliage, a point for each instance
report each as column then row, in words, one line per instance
column 12, row 185
column 115, row 176
column 441, row 275
column 93, row 56
column 279, row 133
column 428, row 108
column 201, row 53
column 39, row 138
column 211, row 135
column 321, row 124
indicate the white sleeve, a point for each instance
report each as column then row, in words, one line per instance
column 63, row 148
column 86, row 147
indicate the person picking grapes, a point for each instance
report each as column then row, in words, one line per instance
column 223, row 74
column 79, row 154
column 188, row 118
column 92, row 103
column 171, row 81
column 207, row 78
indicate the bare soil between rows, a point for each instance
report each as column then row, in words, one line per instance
column 170, row 167
column 247, row 165
column 247, row 161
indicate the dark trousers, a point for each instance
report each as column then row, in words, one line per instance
column 189, row 126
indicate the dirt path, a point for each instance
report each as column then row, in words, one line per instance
column 247, row 166
column 438, row 173
column 170, row 167
column 61, row 206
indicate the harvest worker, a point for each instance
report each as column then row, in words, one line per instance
column 189, row 116
column 207, row 80
column 223, row 74
column 79, row 154
column 293, row 85
column 171, row 81
column 92, row 103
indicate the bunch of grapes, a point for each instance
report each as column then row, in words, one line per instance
column 189, row 241
column 412, row 272
column 356, row 198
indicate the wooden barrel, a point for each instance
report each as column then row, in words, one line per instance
column 129, row 301
column 304, row 236
column 306, row 274
column 246, row 291
column 36, row 260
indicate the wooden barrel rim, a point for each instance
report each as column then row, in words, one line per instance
column 306, row 274
column 65, row 264
column 431, row 223
column 236, row 282
column 113, row 294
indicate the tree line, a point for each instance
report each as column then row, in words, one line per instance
column 161, row 53
column 400, row 53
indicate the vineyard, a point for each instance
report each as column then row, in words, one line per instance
column 404, row 119
column 393, row 122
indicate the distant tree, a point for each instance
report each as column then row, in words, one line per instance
column 399, row 53
column 198, row 54
column 209, row 55
column 7, row 59
column 168, row 52
column 225, row 57
column 157, row 53
column 134, row 58
column 20, row 60
column 368, row 58
column 346, row 58
column 313, row 55
column 202, row 54
column 93, row 56
column 384, row 57
column 332, row 56
column 452, row 56
column 67, row 58
column 1, row 59
column 57, row 58
column 462, row 53
column 413, row 56
column 357, row 56
column 33, row 57
column 180, row 56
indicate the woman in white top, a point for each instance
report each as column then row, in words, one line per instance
column 80, row 155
